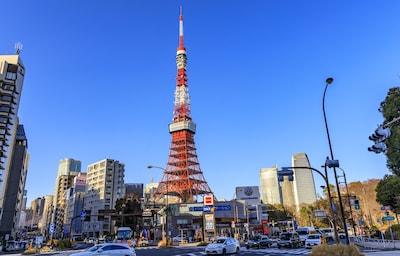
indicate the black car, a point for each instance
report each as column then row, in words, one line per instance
column 258, row 242
column 289, row 239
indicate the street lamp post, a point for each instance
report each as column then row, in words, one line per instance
column 328, row 82
column 166, row 212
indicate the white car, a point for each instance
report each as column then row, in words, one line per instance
column 107, row 249
column 313, row 240
column 179, row 239
column 223, row 245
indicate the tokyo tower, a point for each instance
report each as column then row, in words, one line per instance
column 182, row 177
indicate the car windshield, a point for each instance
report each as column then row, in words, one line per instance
column 313, row 236
column 219, row 241
column 285, row 236
column 94, row 248
column 302, row 232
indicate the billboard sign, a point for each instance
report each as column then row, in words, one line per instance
column 209, row 220
column 250, row 194
column 208, row 200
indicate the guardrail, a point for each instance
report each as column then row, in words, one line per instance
column 374, row 243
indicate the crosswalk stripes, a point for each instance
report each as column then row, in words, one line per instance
column 147, row 248
column 191, row 251
column 296, row 251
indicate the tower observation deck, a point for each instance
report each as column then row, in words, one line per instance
column 182, row 176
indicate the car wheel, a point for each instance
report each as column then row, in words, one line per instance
column 247, row 247
column 224, row 252
column 279, row 247
column 237, row 250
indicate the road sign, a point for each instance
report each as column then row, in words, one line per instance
column 386, row 218
column 319, row 213
column 51, row 229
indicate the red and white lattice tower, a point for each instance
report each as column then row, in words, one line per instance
column 182, row 177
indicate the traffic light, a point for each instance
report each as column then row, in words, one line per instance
column 378, row 148
column 286, row 171
column 378, row 137
column 356, row 205
column 380, row 134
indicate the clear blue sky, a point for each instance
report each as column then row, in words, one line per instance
column 100, row 81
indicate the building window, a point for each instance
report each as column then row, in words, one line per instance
column 11, row 73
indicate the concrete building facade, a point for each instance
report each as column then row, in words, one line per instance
column 68, row 169
column 46, row 219
column 75, row 201
column 15, row 186
column 12, row 73
column 104, row 185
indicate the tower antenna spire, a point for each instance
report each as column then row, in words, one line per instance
column 181, row 46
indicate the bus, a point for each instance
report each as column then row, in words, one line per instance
column 124, row 235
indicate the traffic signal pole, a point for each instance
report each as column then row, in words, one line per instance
column 286, row 172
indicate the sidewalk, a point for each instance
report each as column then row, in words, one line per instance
column 373, row 243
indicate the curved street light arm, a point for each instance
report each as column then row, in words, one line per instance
column 325, row 177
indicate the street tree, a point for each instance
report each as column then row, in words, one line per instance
column 388, row 192
column 390, row 109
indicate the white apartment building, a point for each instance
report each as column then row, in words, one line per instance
column 104, row 185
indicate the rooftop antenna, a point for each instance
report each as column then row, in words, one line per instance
column 18, row 47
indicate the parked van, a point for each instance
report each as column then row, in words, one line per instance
column 304, row 232
column 328, row 233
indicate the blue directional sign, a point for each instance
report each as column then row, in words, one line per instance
column 208, row 208
column 386, row 218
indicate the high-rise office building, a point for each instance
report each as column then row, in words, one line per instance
column 303, row 182
column 270, row 191
column 294, row 193
column 12, row 73
column 68, row 169
column 15, row 186
column 105, row 184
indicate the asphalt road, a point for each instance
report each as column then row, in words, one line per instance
column 199, row 251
